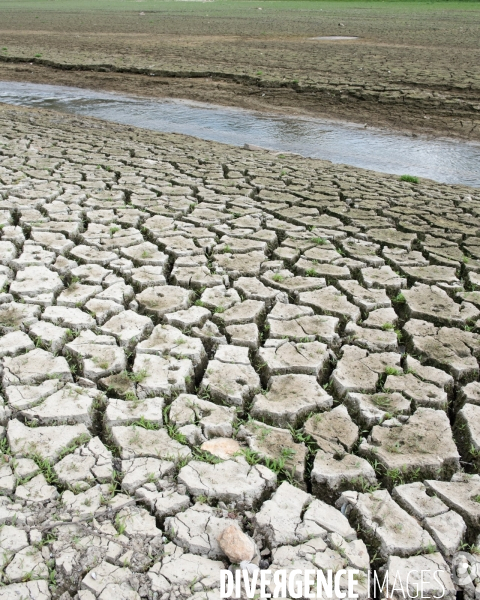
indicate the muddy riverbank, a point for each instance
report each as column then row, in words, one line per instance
column 414, row 66
column 440, row 159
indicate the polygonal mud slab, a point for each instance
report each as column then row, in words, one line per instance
column 212, row 419
column 198, row 529
column 35, row 367
column 97, row 355
column 289, row 399
column 78, row 294
column 388, row 527
column 448, row 348
column 305, row 358
column 299, row 324
column 231, row 384
column 72, row 318
column 434, row 304
column 135, row 441
column 279, row 521
column 69, row 406
column 153, row 216
column 359, row 371
column 422, row 393
column 136, row 472
column 232, row 482
column 87, row 465
column 420, row 448
column 14, row 315
column 128, row 328
column 333, row 474
column 127, row 412
column 160, row 300
column 46, row 442
column 428, row 563
column 371, row 409
column 331, row 302
column 167, row 339
column 373, row 340
column 333, row 431
column 276, row 444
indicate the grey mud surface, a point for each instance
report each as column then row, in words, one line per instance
column 213, row 356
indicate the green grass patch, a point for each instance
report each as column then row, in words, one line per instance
column 409, row 178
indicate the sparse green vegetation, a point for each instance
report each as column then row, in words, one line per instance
column 409, row 178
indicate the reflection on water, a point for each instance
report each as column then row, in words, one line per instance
column 443, row 160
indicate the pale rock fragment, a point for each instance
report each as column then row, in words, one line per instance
column 236, row 545
column 223, row 448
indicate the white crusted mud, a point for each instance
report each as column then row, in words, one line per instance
column 211, row 355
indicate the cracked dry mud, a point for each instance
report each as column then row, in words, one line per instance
column 211, row 355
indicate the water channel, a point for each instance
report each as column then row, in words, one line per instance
column 443, row 160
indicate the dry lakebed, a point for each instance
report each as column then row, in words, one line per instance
column 213, row 355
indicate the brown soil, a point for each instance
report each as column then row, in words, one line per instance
column 416, row 72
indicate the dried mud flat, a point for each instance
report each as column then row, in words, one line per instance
column 212, row 355
column 414, row 66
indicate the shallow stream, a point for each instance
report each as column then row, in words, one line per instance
column 440, row 159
